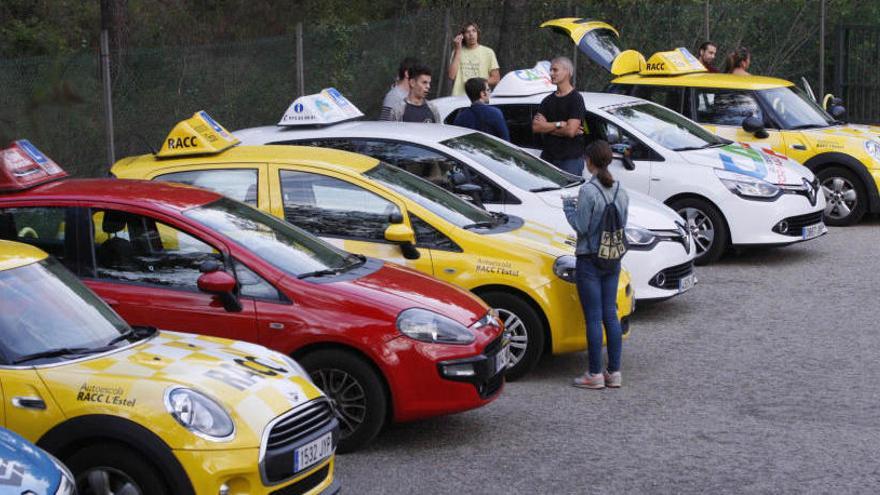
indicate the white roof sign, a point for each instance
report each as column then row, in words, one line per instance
column 326, row 107
column 526, row 82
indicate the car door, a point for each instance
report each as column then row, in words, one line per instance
column 346, row 213
column 147, row 270
column 722, row 112
column 28, row 406
column 642, row 156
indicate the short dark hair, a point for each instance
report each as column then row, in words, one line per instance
column 419, row 70
column 406, row 66
column 473, row 87
column 469, row 24
column 707, row 44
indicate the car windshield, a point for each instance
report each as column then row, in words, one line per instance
column 45, row 308
column 520, row 168
column 285, row 246
column 793, row 109
column 433, row 198
column 666, row 127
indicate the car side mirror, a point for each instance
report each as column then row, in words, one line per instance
column 219, row 282
column 838, row 112
column 754, row 126
column 470, row 192
column 395, row 217
column 403, row 235
column 625, row 152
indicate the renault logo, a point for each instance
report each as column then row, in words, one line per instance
column 685, row 236
column 812, row 190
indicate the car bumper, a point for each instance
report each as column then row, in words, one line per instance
column 758, row 222
column 655, row 273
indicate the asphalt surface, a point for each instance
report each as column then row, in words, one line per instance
column 763, row 379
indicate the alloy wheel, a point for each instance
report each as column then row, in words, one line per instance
column 347, row 396
column 519, row 337
column 107, row 481
column 840, row 196
column 700, row 226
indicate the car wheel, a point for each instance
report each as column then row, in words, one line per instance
column 846, row 201
column 356, row 392
column 525, row 329
column 111, row 468
column 706, row 225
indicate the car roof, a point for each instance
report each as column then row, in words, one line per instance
column 16, row 254
column 163, row 194
column 403, row 131
column 706, row 80
column 326, row 158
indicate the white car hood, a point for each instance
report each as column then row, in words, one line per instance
column 762, row 163
column 644, row 211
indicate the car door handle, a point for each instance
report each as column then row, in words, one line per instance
column 29, row 403
column 655, row 179
column 798, row 147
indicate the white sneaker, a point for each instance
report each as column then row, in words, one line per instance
column 589, row 380
column 613, row 380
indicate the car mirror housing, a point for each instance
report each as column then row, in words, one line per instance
column 402, row 234
column 753, row 125
column 222, row 284
column 837, row 111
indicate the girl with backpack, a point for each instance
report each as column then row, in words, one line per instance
column 598, row 216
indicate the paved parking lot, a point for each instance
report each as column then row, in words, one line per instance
column 764, row 379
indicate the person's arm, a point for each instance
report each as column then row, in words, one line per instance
column 452, row 72
column 494, row 77
column 500, row 125
column 579, row 216
column 570, row 128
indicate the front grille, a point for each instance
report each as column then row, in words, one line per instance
column 290, row 432
column 491, row 387
column 669, row 278
column 793, row 225
column 305, row 484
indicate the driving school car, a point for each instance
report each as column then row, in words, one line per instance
column 764, row 111
column 385, row 343
column 28, row 469
column 146, row 412
column 727, row 193
column 522, row 269
column 498, row 177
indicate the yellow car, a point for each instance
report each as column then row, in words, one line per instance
column 523, row 270
column 138, row 411
column 765, row 111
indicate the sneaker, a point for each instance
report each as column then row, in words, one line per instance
column 589, row 380
column 613, row 380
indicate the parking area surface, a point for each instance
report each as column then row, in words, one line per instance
column 763, row 379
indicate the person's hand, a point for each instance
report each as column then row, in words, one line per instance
column 580, row 131
column 458, row 40
column 540, row 119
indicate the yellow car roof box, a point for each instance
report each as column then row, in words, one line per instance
column 596, row 39
column 672, row 63
column 324, row 108
column 197, row 135
column 628, row 62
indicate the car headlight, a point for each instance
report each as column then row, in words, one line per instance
column 564, row 267
column 873, row 149
column 427, row 326
column 199, row 414
column 747, row 186
column 640, row 238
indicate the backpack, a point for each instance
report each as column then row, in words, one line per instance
column 612, row 240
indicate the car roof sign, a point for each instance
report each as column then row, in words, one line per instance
column 197, row 135
column 526, row 82
column 23, row 166
column 324, row 108
column 672, row 63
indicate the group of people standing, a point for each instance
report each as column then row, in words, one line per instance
column 737, row 61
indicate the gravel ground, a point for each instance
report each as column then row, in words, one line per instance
column 763, row 379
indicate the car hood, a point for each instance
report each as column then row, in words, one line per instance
column 753, row 161
column 25, row 466
column 848, row 130
column 252, row 383
column 538, row 237
column 644, row 211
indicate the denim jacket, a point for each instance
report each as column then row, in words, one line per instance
column 585, row 216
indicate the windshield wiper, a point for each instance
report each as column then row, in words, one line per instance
column 358, row 260
column 320, row 273
column 806, row 126
column 479, row 225
column 692, row 148
column 545, row 189
column 61, row 351
column 138, row 333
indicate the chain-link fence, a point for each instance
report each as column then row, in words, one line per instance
column 57, row 102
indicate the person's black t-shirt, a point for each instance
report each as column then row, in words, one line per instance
column 560, row 109
column 417, row 113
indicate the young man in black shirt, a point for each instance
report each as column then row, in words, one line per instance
column 415, row 107
column 560, row 118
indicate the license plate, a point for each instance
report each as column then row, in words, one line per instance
column 502, row 359
column 814, row 230
column 313, row 452
column 687, row 283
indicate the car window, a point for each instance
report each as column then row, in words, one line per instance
column 138, row 249
column 519, row 124
column 327, row 206
column 45, row 228
column 253, row 285
column 726, row 107
column 665, row 127
column 335, row 143
column 793, row 109
column 669, row 97
column 238, row 184
column 638, row 150
column 431, row 238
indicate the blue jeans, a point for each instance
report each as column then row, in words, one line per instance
column 598, row 293
column 571, row 165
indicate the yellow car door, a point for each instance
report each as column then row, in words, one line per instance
column 30, row 409
column 349, row 213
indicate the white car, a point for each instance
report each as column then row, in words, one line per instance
column 728, row 193
column 502, row 178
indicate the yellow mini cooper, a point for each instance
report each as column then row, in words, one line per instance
column 524, row 270
column 767, row 112
column 139, row 411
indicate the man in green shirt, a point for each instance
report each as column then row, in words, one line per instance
column 471, row 59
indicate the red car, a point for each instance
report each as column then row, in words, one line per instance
column 384, row 342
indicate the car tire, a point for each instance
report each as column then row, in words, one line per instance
column 356, row 391
column 114, row 468
column 525, row 328
column 842, row 189
column 707, row 227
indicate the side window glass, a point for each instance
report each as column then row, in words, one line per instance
column 335, row 143
column 133, row 248
column 431, row 238
column 253, row 285
column 669, row 97
column 722, row 107
column 238, row 184
column 327, row 206
column 519, row 123
column 616, row 135
column 45, row 228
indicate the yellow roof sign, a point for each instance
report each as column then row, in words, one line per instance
column 672, row 63
column 197, row 135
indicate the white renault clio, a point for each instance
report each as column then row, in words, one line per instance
column 728, row 193
column 495, row 175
